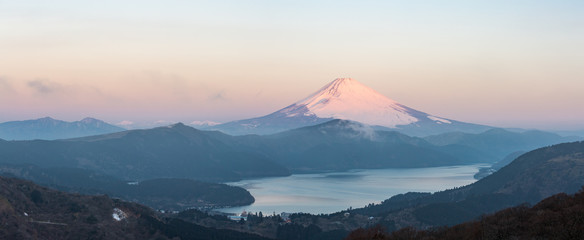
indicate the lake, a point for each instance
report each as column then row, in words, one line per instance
column 333, row 192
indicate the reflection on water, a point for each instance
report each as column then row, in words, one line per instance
column 333, row 192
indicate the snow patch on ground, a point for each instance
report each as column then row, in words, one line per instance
column 119, row 215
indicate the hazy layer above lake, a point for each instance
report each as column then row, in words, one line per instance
column 333, row 192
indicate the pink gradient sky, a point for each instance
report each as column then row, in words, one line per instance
column 505, row 64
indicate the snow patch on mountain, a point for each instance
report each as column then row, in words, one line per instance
column 125, row 123
column 205, row 123
column 119, row 215
column 439, row 120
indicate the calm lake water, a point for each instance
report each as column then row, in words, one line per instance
column 333, row 192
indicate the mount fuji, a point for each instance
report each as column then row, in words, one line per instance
column 348, row 99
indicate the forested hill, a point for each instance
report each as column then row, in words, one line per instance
column 558, row 217
column 28, row 211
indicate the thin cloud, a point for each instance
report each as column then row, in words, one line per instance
column 5, row 85
column 68, row 94
column 174, row 84
column 220, row 96
column 44, row 87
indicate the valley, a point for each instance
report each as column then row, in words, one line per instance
column 318, row 169
column 523, row 180
column 529, row 179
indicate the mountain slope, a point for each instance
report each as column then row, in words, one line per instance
column 346, row 98
column 166, row 194
column 29, row 211
column 486, row 171
column 539, row 173
column 179, row 151
column 556, row 217
column 49, row 129
column 344, row 144
column 175, row 151
column 530, row 178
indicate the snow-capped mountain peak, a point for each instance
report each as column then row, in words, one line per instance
column 346, row 98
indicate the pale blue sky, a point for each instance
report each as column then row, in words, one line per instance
column 503, row 63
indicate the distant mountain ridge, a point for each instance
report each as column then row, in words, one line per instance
column 49, row 129
column 180, row 151
column 175, row 151
column 348, row 99
column 500, row 142
column 345, row 144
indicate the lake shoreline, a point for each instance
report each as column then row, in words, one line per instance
column 329, row 192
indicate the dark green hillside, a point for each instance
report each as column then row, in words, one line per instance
column 179, row 151
column 539, row 173
column 177, row 194
column 530, row 178
column 342, row 144
column 28, row 211
column 176, row 151
column 483, row 172
column 556, row 217
column 166, row 194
